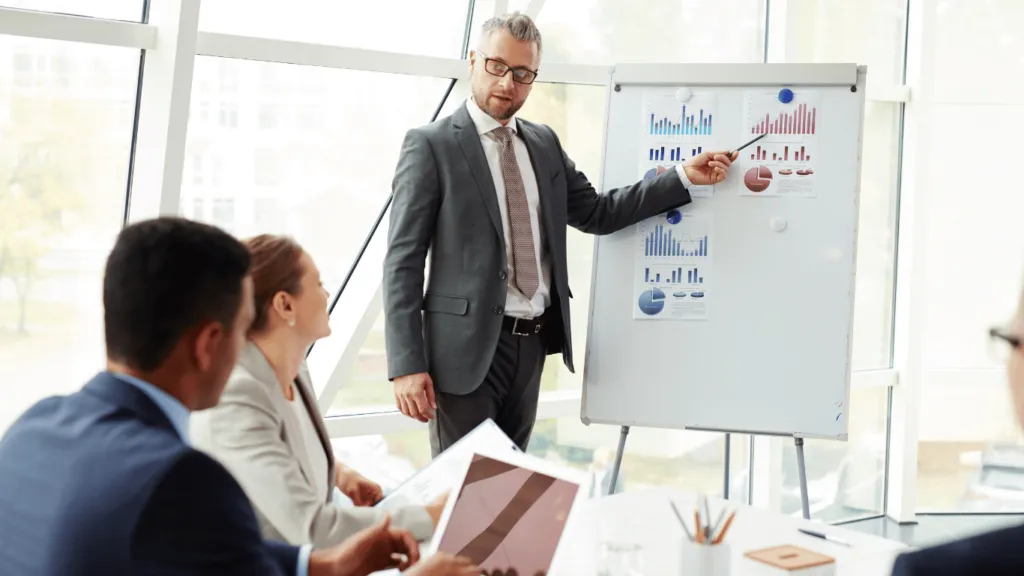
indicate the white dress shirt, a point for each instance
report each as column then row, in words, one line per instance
column 516, row 303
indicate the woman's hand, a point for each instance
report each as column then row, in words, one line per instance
column 360, row 489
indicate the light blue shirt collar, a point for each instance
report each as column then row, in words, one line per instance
column 175, row 411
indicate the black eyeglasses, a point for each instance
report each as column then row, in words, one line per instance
column 520, row 75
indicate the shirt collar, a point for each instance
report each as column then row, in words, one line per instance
column 484, row 123
column 175, row 411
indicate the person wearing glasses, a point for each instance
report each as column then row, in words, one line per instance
column 994, row 553
column 488, row 195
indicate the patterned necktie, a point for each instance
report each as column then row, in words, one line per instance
column 523, row 254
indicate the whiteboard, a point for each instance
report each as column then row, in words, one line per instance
column 771, row 355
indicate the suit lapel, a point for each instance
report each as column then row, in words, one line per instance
column 533, row 145
column 303, row 384
column 253, row 360
column 469, row 141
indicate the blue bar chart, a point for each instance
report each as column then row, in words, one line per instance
column 689, row 121
column 672, row 153
column 676, row 276
column 672, row 274
column 667, row 243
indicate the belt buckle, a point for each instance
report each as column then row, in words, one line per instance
column 515, row 328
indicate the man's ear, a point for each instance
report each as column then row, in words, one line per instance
column 208, row 339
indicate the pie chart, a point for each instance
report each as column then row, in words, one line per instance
column 758, row 179
column 654, row 172
column 652, row 302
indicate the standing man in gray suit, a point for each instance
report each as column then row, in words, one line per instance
column 488, row 196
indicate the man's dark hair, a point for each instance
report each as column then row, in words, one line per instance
column 163, row 278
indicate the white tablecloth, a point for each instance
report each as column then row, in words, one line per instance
column 646, row 518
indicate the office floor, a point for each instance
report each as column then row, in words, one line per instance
column 932, row 530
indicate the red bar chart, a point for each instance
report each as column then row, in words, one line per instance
column 780, row 153
column 802, row 120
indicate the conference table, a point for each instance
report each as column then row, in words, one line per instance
column 645, row 518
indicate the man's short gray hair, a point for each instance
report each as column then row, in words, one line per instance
column 519, row 25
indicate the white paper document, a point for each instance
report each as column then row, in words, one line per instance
column 783, row 162
column 672, row 267
column 675, row 131
column 443, row 472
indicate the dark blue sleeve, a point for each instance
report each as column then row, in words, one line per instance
column 198, row 521
column 997, row 553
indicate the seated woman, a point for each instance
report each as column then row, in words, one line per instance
column 267, row 430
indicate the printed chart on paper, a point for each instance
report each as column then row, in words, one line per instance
column 783, row 162
column 672, row 270
column 674, row 132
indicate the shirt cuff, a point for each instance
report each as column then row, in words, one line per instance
column 304, row 553
column 682, row 177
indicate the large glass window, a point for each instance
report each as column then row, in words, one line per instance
column 329, row 177
column 868, row 32
column 571, row 111
column 614, row 31
column 872, row 33
column 845, row 480
column 64, row 153
column 970, row 451
column 110, row 9
column 406, row 26
column 653, row 458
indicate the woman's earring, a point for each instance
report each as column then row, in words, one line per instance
column 291, row 322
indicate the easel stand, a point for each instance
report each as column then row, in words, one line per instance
column 801, row 469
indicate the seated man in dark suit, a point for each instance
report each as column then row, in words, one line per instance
column 103, row 481
column 995, row 553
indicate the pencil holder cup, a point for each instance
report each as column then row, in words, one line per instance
column 705, row 559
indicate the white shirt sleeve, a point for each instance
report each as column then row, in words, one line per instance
column 304, row 553
column 682, row 176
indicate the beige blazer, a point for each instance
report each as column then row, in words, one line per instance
column 254, row 433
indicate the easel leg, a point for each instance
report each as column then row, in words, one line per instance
column 804, row 501
column 725, row 486
column 618, row 459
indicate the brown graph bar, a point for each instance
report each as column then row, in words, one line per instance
column 484, row 544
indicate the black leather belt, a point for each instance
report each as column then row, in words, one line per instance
column 522, row 326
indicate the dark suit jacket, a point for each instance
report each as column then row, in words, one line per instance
column 99, row 482
column 445, row 201
column 999, row 553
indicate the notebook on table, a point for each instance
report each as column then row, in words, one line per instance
column 509, row 511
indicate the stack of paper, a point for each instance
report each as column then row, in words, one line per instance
column 443, row 473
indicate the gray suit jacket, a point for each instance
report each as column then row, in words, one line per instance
column 254, row 433
column 445, row 201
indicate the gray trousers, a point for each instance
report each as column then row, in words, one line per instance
column 508, row 395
